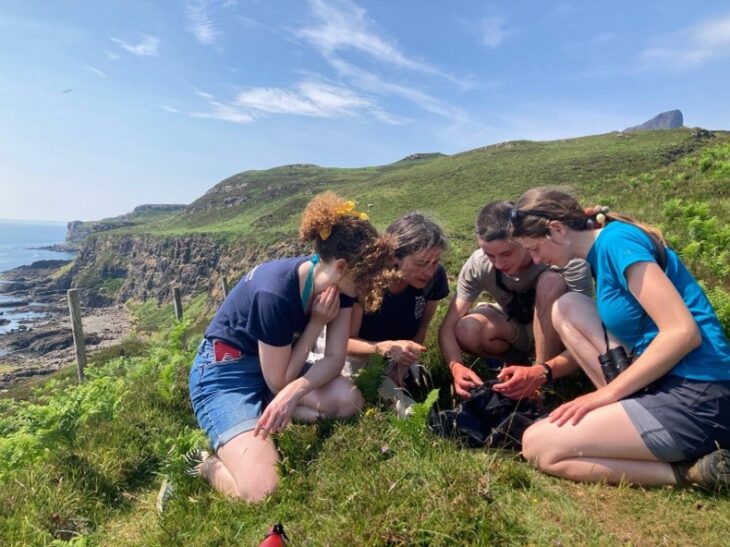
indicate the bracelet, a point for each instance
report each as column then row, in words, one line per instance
column 452, row 363
column 547, row 371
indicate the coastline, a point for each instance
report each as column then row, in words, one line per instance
column 39, row 341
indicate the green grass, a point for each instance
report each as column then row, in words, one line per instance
column 83, row 464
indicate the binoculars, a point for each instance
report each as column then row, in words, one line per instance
column 614, row 362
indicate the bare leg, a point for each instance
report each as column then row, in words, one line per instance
column 338, row 398
column 550, row 287
column 485, row 332
column 244, row 468
column 603, row 446
column 576, row 320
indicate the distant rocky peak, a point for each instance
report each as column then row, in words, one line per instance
column 665, row 120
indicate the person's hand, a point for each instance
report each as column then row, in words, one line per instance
column 403, row 352
column 575, row 410
column 278, row 412
column 465, row 380
column 326, row 305
column 519, row 382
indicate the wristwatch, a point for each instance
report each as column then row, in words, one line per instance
column 547, row 371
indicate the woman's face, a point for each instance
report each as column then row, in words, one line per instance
column 418, row 268
column 346, row 284
column 546, row 250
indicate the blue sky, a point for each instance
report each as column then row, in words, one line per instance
column 108, row 105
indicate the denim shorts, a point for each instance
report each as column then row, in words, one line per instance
column 681, row 419
column 228, row 396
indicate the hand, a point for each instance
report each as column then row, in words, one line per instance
column 403, row 352
column 278, row 412
column 465, row 380
column 574, row 410
column 519, row 382
column 326, row 305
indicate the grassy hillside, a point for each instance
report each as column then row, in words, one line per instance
column 83, row 464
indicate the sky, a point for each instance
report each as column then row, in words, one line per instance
column 108, row 105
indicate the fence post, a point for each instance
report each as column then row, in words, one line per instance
column 77, row 330
column 178, row 303
column 224, row 286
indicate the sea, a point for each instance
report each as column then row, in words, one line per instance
column 21, row 244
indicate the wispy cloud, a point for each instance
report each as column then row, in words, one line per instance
column 344, row 26
column 226, row 113
column 689, row 48
column 148, row 47
column 112, row 56
column 492, row 31
column 99, row 73
column 201, row 24
column 307, row 99
column 170, row 109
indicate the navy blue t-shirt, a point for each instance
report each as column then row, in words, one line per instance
column 265, row 305
column 401, row 315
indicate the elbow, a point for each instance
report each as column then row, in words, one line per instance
column 688, row 337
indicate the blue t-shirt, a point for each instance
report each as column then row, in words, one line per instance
column 618, row 246
column 401, row 315
column 265, row 305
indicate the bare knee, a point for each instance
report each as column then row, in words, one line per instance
column 536, row 447
column 566, row 312
column 352, row 404
column 550, row 287
column 468, row 333
column 256, row 490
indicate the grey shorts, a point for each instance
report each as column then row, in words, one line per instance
column 522, row 343
column 681, row 419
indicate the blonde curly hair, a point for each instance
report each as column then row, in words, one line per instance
column 338, row 231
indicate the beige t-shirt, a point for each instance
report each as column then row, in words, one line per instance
column 479, row 275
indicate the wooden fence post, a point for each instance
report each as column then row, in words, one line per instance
column 224, row 286
column 77, row 330
column 178, row 303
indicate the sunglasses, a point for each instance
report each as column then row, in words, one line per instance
column 515, row 214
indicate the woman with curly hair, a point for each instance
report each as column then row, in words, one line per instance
column 665, row 419
column 250, row 377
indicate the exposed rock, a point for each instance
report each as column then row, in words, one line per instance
column 423, row 156
column 666, row 120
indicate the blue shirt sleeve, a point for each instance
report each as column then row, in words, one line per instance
column 270, row 319
column 631, row 246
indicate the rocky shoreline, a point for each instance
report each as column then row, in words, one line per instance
column 34, row 308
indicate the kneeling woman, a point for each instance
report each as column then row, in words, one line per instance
column 250, row 379
column 666, row 418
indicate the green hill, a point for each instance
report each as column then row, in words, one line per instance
column 82, row 464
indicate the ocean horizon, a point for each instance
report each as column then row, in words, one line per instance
column 20, row 245
column 21, row 242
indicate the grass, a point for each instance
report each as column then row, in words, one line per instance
column 92, row 477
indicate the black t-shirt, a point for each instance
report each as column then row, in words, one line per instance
column 400, row 316
column 265, row 305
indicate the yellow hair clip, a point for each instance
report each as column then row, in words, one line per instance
column 324, row 233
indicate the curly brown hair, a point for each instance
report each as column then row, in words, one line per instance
column 340, row 232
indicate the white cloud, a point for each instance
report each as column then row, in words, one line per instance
column 307, row 99
column 148, row 47
column 492, row 31
column 345, row 26
column 96, row 71
column 112, row 56
column 226, row 113
column 203, row 94
column 689, row 48
column 201, row 24
column 169, row 109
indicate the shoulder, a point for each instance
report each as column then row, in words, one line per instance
column 477, row 264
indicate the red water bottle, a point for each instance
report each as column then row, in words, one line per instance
column 275, row 537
